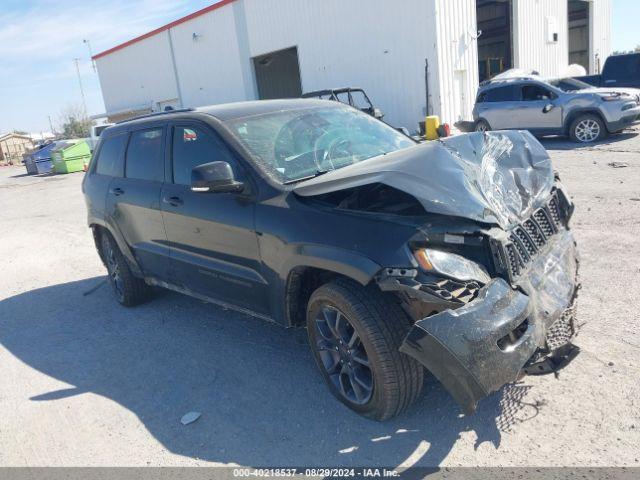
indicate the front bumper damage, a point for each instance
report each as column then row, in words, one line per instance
column 505, row 331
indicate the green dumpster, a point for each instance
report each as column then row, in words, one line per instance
column 71, row 156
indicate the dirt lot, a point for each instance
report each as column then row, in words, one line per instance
column 86, row 382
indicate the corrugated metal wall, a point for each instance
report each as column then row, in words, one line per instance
column 532, row 48
column 457, row 65
column 369, row 43
column 139, row 74
column 364, row 43
column 600, row 34
column 208, row 57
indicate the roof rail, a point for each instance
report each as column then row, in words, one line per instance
column 510, row 79
column 156, row 114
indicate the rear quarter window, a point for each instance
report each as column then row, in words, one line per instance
column 110, row 159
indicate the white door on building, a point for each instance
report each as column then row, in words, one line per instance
column 459, row 95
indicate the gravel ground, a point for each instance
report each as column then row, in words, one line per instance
column 86, row 382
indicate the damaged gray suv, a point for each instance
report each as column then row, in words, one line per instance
column 453, row 256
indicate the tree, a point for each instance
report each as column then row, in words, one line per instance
column 75, row 123
column 624, row 52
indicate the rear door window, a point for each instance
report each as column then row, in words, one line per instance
column 509, row 93
column 145, row 155
column 110, row 157
column 532, row 93
column 194, row 146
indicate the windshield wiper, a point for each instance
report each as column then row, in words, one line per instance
column 308, row 177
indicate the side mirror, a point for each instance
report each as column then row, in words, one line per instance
column 547, row 108
column 214, row 177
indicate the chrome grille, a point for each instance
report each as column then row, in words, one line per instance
column 513, row 259
column 540, row 217
column 535, row 233
column 522, row 251
column 554, row 209
column 527, row 239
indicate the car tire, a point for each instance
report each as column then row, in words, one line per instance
column 392, row 380
column 482, row 126
column 587, row 128
column 129, row 290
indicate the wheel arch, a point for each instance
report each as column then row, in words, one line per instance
column 98, row 228
column 481, row 119
column 307, row 274
column 583, row 111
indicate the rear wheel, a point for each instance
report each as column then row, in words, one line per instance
column 587, row 128
column 482, row 126
column 128, row 289
column 355, row 333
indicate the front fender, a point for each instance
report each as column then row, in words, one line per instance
column 344, row 262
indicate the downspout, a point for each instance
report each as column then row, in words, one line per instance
column 175, row 69
column 426, row 83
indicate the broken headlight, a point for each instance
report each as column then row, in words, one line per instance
column 451, row 265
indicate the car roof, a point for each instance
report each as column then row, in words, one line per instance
column 228, row 111
column 233, row 111
column 490, row 85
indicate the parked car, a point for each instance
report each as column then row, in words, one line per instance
column 618, row 71
column 533, row 104
column 455, row 256
column 356, row 97
column 94, row 136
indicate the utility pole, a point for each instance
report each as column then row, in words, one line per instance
column 84, row 101
column 51, row 125
column 93, row 63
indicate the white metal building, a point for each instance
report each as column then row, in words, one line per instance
column 409, row 56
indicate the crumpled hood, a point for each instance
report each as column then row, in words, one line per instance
column 493, row 177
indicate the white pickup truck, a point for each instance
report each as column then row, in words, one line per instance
column 96, row 130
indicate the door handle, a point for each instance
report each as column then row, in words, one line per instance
column 117, row 191
column 173, row 201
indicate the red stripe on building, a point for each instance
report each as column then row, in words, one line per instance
column 191, row 16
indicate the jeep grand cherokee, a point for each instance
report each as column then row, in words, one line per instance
column 453, row 256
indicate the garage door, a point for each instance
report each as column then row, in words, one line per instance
column 278, row 74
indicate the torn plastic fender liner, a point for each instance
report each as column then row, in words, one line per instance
column 460, row 347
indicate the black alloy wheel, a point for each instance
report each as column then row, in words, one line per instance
column 343, row 355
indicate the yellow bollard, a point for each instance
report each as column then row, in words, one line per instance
column 432, row 122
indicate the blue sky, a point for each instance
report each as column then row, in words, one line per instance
column 40, row 39
column 625, row 34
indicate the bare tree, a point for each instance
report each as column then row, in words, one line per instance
column 624, row 52
column 74, row 123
